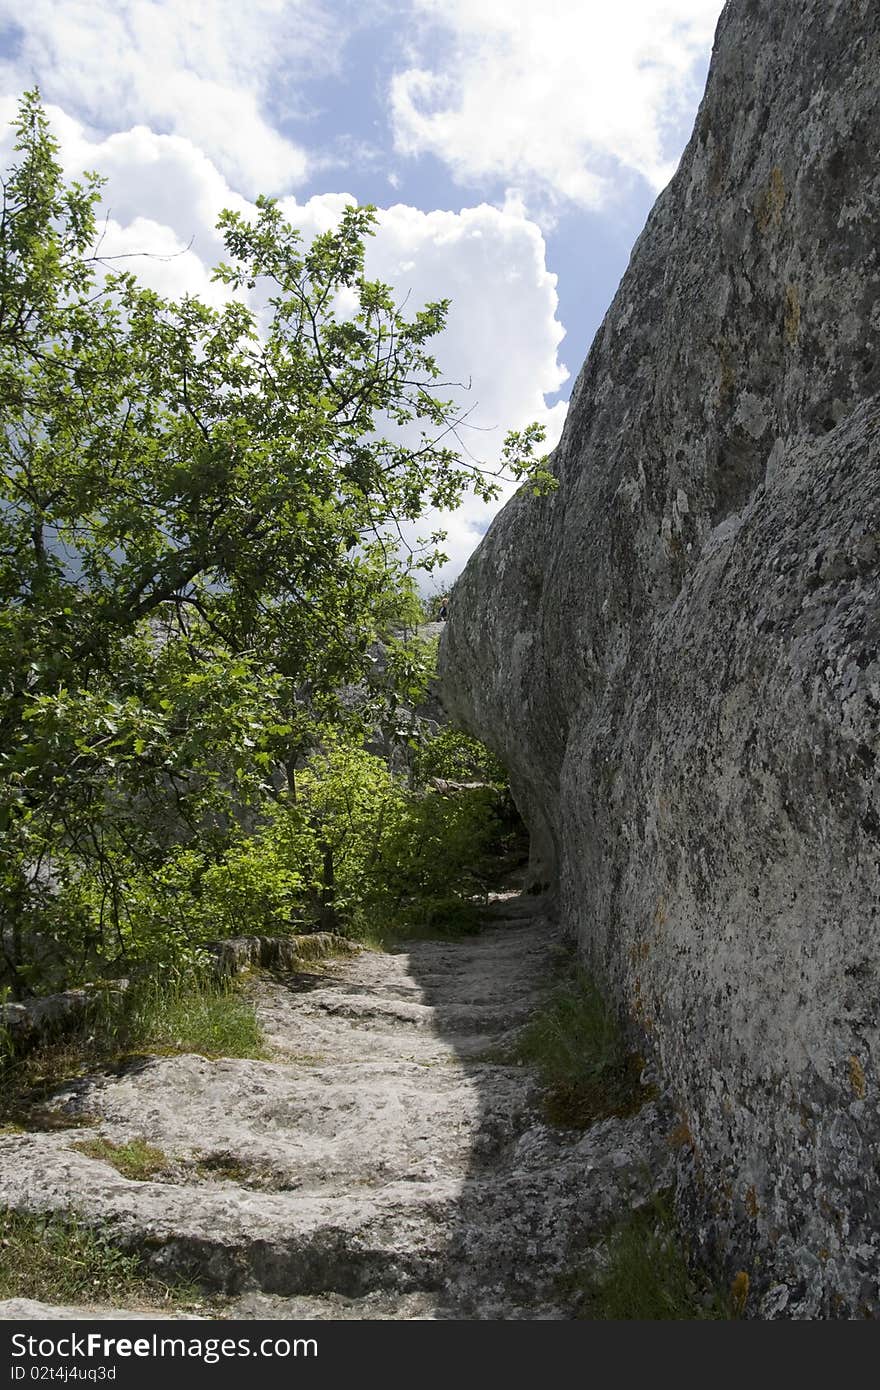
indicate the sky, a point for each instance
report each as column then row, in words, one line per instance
column 514, row 151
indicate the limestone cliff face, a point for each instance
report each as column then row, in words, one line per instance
column 677, row 652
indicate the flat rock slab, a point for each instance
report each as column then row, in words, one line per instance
column 390, row 1161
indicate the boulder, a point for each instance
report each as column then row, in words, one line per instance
column 676, row 653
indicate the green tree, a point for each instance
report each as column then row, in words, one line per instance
column 199, row 519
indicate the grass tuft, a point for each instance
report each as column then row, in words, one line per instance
column 213, row 1019
column 57, row 1260
column 577, row 1047
column 644, row 1275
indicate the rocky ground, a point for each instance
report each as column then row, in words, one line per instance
column 389, row 1161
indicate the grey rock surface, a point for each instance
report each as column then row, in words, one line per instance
column 677, row 652
column 387, row 1163
column 30, row 1310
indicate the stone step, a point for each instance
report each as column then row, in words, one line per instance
column 512, row 1227
column 302, row 1126
column 390, row 1161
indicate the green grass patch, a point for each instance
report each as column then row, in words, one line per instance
column 214, row 1020
column 645, row 1275
column 142, row 1162
column 137, row 1159
column 61, row 1260
column 577, row 1047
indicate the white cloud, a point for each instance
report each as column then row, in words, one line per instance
column 159, row 259
column 554, row 97
column 502, row 335
column 502, row 332
column 163, row 197
column 201, row 69
column 501, row 339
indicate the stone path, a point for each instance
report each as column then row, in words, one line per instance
column 387, row 1163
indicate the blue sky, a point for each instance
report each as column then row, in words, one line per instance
column 514, row 150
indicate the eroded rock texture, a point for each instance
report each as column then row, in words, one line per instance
column 677, row 652
column 390, row 1160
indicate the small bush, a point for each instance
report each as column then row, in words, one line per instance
column 456, row 757
column 358, row 853
column 350, row 849
column 441, row 918
column 576, row 1045
column 437, row 851
column 251, row 885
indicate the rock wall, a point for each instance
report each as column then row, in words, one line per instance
column 677, row 652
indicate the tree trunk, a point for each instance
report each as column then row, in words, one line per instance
column 327, row 915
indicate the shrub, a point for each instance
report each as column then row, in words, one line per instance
column 349, row 849
column 456, row 757
column 436, row 852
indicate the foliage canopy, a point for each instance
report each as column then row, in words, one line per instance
column 200, row 515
